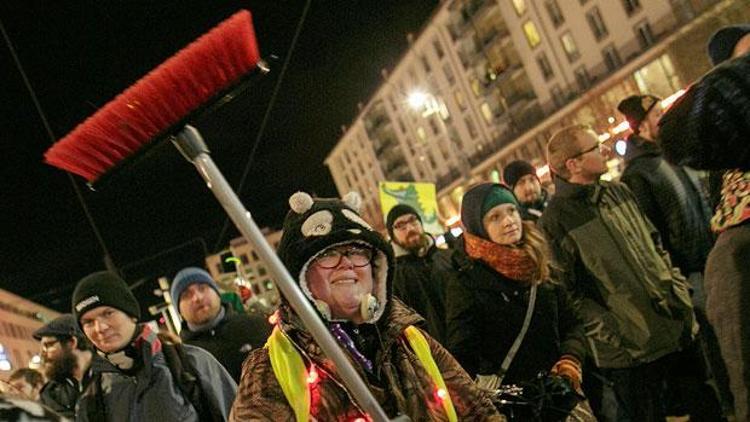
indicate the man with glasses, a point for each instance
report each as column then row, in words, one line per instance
column 66, row 358
column 635, row 306
column 418, row 262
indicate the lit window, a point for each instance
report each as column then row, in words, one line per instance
column 486, row 112
column 520, row 6
column 570, row 47
column 421, row 133
column 532, row 35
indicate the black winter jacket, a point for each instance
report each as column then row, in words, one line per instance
column 672, row 200
column 418, row 284
column 486, row 311
column 232, row 339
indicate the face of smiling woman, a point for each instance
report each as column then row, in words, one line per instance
column 343, row 284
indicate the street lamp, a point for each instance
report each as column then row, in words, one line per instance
column 429, row 104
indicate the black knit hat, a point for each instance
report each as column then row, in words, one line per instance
column 635, row 108
column 515, row 171
column 480, row 199
column 104, row 288
column 314, row 225
column 397, row 211
column 722, row 42
column 704, row 126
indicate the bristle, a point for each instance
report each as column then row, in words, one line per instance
column 159, row 100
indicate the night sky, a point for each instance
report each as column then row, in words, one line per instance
column 158, row 216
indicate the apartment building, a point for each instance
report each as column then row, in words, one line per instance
column 486, row 82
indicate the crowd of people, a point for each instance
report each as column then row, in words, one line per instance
column 589, row 300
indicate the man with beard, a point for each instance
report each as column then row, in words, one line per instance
column 213, row 325
column 522, row 179
column 66, row 357
column 418, row 261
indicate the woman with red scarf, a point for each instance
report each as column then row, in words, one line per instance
column 499, row 264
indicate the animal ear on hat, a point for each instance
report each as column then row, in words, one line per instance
column 353, row 200
column 300, row 202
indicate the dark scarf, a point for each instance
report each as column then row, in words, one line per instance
column 514, row 263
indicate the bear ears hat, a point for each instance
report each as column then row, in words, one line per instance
column 313, row 225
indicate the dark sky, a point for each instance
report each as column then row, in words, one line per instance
column 158, row 216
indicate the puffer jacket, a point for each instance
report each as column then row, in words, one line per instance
column 401, row 385
column 417, row 283
column 635, row 306
column 486, row 311
column 672, row 201
column 149, row 392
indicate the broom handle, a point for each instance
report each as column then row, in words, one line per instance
column 190, row 143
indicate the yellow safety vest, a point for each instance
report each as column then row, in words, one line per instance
column 292, row 374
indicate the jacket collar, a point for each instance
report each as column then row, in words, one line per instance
column 591, row 193
column 640, row 147
column 188, row 334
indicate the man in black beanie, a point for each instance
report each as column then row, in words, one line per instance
column 707, row 128
column 418, row 261
column 143, row 377
column 522, row 179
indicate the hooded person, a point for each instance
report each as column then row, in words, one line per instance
column 501, row 263
column 141, row 376
column 345, row 270
column 418, row 263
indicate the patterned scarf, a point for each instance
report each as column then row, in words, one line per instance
column 514, row 263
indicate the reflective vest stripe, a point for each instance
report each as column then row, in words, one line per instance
column 292, row 374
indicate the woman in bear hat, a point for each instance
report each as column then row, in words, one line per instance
column 345, row 269
column 501, row 263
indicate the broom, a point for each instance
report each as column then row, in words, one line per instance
column 158, row 106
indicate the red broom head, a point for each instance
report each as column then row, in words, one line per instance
column 160, row 100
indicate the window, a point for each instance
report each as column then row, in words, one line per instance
column 644, row 34
column 611, row 58
column 438, row 48
column 570, row 47
column 433, row 125
column 255, row 255
column 486, row 112
column 545, row 67
column 532, row 35
column 557, row 96
column 425, row 64
column 421, row 133
column 470, row 126
column 520, row 6
column 594, row 17
column 460, row 100
column 262, row 271
column 449, row 75
column 582, row 77
column 555, row 14
column 631, row 6
column 244, row 259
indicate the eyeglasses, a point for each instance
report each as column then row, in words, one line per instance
column 359, row 257
column 411, row 221
column 47, row 345
column 598, row 146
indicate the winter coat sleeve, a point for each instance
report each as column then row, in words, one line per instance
column 463, row 337
column 572, row 337
column 217, row 385
column 470, row 402
column 259, row 396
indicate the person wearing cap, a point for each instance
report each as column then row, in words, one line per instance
column 635, row 305
column 673, row 200
column 144, row 378
column 66, row 358
column 521, row 177
column 707, row 129
column 345, row 269
column 501, row 262
column 213, row 325
column 418, row 264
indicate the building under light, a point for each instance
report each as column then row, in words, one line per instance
column 501, row 77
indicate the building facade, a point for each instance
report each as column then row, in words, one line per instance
column 488, row 82
column 19, row 318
